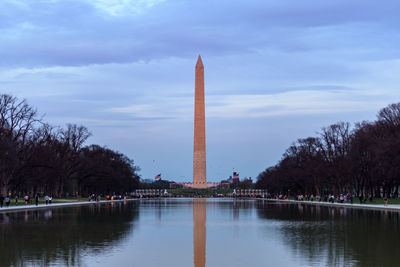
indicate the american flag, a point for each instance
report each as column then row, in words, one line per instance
column 158, row 176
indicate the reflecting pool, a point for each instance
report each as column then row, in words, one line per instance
column 199, row 233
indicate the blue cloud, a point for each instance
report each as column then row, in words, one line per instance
column 74, row 33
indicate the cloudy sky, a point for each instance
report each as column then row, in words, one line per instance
column 275, row 70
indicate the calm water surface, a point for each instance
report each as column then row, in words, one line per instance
column 199, row 232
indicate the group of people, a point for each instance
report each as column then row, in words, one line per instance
column 276, row 196
column 27, row 198
column 48, row 199
column 94, row 197
column 342, row 198
column 114, row 197
column 6, row 199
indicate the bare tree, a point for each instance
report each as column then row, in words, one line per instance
column 390, row 115
column 75, row 136
column 17, row 125
column 335, row 145
column 36, row 157
column 365, row 160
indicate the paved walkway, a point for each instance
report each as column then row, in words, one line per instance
column 55, row 205
column 347, row 205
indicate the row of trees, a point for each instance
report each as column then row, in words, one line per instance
column 363, row 160
column 36, row 157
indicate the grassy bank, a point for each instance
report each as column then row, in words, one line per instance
column 21, row 201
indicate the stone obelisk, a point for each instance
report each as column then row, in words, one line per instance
column 199, row 148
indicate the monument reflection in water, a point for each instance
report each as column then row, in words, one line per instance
column 199, row 232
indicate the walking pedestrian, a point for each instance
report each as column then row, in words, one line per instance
column 385, row 200
column 7, row 201
column 1, row 201
column 37, row 199
column 16, row 199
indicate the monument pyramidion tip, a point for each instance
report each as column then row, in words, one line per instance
column 199, row 62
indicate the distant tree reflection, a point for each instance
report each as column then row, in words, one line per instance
column 337, row 236
column 63, row 235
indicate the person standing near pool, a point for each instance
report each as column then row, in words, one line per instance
column 37, row 199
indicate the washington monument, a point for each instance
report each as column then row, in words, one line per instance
column 199, row 148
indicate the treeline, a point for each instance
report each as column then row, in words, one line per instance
column 38, row 158
column 363, row 160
